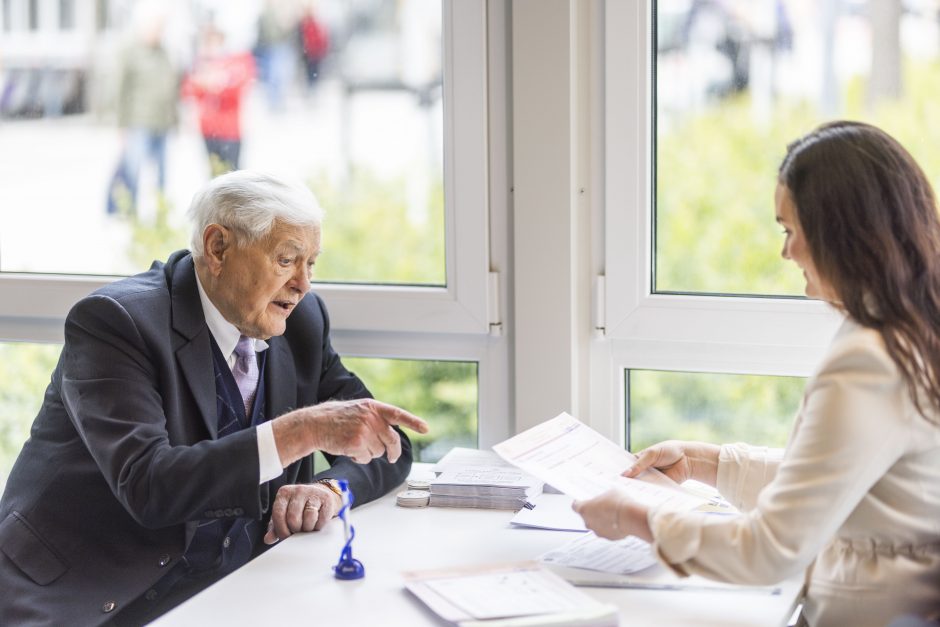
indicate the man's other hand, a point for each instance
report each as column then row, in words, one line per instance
column 306, row 507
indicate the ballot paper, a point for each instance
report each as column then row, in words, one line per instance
column 581, row 463
column 587, row 551
column 500, row 591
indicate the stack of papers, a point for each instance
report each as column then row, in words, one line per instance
column 479, row 478
column 484, row 487
column 507, row 594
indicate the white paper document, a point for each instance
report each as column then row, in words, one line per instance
column 501, row 591
column 581, row 463
column 550, row 511
column 587, row 551
column 460, row 457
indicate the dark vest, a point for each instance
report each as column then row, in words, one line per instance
column 224, row 544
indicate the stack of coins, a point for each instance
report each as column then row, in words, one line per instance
column 417, row 495
column 413, row 498
column 419, row 484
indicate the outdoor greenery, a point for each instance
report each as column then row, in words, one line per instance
column 442, row 392
column 710, row 407
column 25, row 371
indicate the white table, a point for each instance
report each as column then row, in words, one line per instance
column 293, row 582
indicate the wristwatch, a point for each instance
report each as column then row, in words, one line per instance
column 333, row 485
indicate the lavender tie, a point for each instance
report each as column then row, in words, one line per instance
column 246, row 371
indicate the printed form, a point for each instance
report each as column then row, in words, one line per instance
column 578, row 461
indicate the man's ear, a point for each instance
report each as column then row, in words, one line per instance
column 216, row 241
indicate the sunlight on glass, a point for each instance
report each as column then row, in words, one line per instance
column 445, row 393
column 715, row 408
column 736, row 80
column 112, row 114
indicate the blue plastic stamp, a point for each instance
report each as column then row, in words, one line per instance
column 347, row 567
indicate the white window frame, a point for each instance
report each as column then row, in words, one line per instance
column 455, row 322
column 644, row 330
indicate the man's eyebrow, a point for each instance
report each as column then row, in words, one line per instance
column 293, row 245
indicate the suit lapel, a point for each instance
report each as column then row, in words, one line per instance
column 279, row 379
column 193, row 352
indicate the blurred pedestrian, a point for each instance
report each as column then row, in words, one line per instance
column 315, row 43
column 148, row 89
column 217, row 84
column 276, row 49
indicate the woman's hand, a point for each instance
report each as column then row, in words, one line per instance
column 679, row 461
column 614, row 515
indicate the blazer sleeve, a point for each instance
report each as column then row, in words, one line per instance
column 378, row 477
column 114, row 389
column 853, row 427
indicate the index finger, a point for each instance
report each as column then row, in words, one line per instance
column 398, row 416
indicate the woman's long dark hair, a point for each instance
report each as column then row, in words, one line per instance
column 870, row 219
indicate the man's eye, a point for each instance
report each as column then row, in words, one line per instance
column 285, row 261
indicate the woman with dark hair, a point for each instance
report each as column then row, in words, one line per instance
column 854, row 498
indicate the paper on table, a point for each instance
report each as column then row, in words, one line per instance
column 550, row 511
column 462, row 457
column 496, row 591
column 587, row 551
column 581, row 463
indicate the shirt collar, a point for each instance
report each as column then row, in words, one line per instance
column 224, row 332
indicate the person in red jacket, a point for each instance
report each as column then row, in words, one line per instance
column 315, row 39
column 217, row 84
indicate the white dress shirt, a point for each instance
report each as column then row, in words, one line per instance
column 226, row 336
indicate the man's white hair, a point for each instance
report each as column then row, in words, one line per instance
column 250, row 203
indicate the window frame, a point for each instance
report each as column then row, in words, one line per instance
column 688, row 332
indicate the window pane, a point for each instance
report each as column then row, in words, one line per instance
column 442, row 392
column 25, row 370
column 347, row 99
column 714, row 408
column 735, row 82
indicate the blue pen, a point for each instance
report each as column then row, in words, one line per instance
column 347, row 567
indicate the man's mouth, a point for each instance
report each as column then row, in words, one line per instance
column 286, row 305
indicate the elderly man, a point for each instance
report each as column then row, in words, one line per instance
column 175, row 438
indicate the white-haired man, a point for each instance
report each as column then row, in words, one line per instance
column 174, row 442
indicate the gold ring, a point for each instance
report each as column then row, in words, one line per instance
column 311, row 506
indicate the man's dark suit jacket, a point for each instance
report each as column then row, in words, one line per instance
column 123, row 458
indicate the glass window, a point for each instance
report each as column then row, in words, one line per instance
column 444, row 393
column 25, row 370
column 346, row 96
column 734, row 82
column 714, row 408
column 7, row 17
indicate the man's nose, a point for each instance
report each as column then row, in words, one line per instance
column 301, row 280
